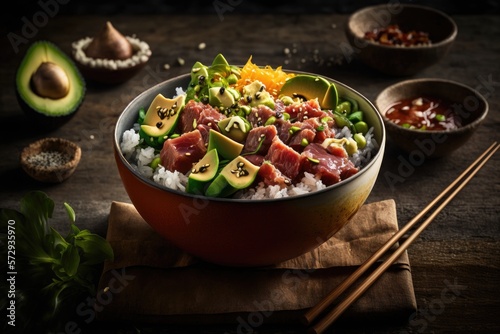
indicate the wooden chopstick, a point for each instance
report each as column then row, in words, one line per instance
column 310, row 316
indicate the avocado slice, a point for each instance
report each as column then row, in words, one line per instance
column 255, row 94
column 226, row 147
column 220, row 60
column 235, row 127
column 310, row 87
column 331, row 98
column 203, row 172
column 349, row 144
column 162, row 115
column 198, row 84
column 238, row 174
column 220, row 97
column 49, row 86
column 198, row 70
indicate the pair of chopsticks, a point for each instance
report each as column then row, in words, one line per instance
column 447, row 194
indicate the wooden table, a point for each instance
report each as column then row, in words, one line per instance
column 460, row 249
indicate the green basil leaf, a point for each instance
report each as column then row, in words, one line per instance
column 70, row 260
column 55, row 243
column 10, row 215
column 29, row 244
column 37, row 207
column 95, row 248
column 70, row 211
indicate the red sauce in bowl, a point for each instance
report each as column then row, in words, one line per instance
column 393, row 35
column 423, row 113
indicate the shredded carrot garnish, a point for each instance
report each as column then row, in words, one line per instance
column 273, row 79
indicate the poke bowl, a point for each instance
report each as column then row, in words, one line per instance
column 231, row 182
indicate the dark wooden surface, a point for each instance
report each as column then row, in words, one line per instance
column 462, row 245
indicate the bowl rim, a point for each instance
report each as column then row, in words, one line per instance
column 378, row 155
column 464, row 128
column 449, row 39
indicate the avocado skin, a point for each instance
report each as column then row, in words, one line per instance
column 42, row 121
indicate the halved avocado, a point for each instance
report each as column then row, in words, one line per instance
column 49, row 86
column 311, row 87
column 238, row 174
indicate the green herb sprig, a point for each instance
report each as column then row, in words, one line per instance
column 54, row 273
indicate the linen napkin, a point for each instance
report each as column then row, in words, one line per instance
column 151, row 281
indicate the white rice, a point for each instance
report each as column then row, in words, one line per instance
column 140, row 158
column 173, row 180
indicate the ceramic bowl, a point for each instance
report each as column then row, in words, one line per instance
column 237, row 232
column 50, row 160
column 469, row 105
column 401, row 60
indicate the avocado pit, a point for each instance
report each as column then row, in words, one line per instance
column 110, row 56
column 50, row 81
column 110, row 44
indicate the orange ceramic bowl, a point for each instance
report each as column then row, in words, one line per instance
column 236, row 232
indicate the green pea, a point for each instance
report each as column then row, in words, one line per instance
column 360, row 140
column 155, row 163
column 354, row 103
column 232, row 79
column 344, row 108
column 142, row 115
column 341, row 120
column 287, row 100
column 270, row 120
column 440, row 117
column 294, row 129
column 361, row 127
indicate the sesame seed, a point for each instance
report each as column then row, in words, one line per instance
column 49, row 159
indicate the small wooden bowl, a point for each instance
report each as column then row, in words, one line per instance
column 471, row 106
column 50, row 160
column 396, row 60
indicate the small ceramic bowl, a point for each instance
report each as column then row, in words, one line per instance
column 50, row 160
column 469, row 106
column 398, row 60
